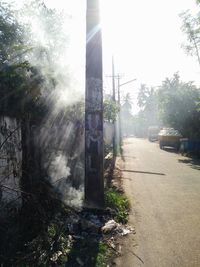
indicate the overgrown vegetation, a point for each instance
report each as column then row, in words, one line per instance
column 119, row 202
column 173, row 104
column 110, row 110
column 34, row 232
column 177, row 103
column 25, row 247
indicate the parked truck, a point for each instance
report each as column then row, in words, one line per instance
column 169, row 137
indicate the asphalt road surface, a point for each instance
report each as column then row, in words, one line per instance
column 164, row 190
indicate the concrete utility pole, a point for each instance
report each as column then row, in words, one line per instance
column 94, row 183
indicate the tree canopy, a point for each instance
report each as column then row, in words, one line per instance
column 178, row 106
column 191, row 27
column 174, row 104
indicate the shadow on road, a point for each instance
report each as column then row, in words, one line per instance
column 170, row 150
column 154, row 173
column 129, row 157
column 192, row 162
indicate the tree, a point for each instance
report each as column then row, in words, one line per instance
column 127, row 106
column 140, row 124
column 173, row 104
column 178, row 106
column 21, row 89
column 148, row 114
column 126, row 115
column 11, row 37
column 20, row 82
column 110, row 110
column 48, row 39
column 148, row 102
column 143, row 96
column 191, row 27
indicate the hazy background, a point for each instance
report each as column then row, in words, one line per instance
column 144, row 37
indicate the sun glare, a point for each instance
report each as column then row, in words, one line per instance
column 140, row 34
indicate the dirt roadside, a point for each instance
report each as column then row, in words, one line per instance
column 128, row 256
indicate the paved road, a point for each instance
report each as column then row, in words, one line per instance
column 164, row 189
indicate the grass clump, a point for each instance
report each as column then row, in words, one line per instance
column 50, row 247
column 90, row 252
column 102, row 255
column 120, row 203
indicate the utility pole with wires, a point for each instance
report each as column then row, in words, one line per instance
column 114, row 100
column 117, row 135
column 119, row 102
column 115, row 131
column 113, row 79
column 117, row 124
column 94, row 182
column 119, row 116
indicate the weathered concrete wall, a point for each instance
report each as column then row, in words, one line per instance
column 62, row 148
column 62, row 156
column 10, row 160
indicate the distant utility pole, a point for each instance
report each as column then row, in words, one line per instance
column 119, row 103
column 119, row 116
column 113, row 76
column 94, row 182
column 114, row 100
column 113, row 79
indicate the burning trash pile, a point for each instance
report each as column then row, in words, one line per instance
column 90, row 229
column 82, row 238
column 96, row 223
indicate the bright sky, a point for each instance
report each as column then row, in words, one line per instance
column 145, row 38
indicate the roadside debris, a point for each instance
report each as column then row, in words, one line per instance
column 94, row 227
column 96, row 233
column 110, row 226
column 113, row 227
column 99, row 224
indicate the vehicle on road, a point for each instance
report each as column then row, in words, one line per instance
column 153, row 133
column 169, row 137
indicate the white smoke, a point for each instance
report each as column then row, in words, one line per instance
column 57, row 50
column 58, row 169
column 56, row 38
column 73, row 197
column 59, row 173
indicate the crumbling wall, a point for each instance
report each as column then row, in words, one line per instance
column 61, row 146
column 10, row 161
